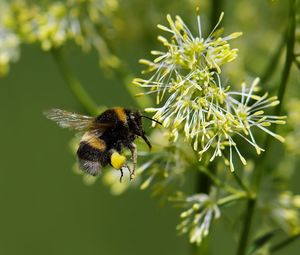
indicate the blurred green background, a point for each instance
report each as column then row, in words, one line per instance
column 45, row 207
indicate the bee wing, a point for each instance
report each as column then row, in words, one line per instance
column 70, row 120
column 76, row 122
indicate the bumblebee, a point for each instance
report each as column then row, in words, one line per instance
column 104, row 138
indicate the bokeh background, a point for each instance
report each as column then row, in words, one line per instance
column 45, row 207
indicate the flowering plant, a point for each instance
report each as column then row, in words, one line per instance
column 215, row 129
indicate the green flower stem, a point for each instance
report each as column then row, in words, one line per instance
column 284, row 243
column 216, row 181
column 203, row 181
column 77, row 89
column 274, row 60
column 216, row 9
column 240, row 182
column 123, row 74
column 297, row 62
column 243, row 243
column 206, row 177
column 290, row 42
column 232, row 198
column 289, row 57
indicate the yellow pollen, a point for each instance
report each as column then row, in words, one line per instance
column 117, row 160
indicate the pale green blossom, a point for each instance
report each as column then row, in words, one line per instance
column 285, row 210
column 293, row 137
column 195, row 102
column 83, row 21
column 201, row 211
column 9, row 49
column 9, row 44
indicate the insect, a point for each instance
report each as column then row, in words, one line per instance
column 104, row 138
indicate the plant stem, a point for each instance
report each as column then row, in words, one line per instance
column 217, row 8
column 297, row 62
column 289, row 57
column 205, row 178
column 231, row 198
column 216, row 181
column 203, row 181
column 241, row 183
column 290, row 41
column 284, row 243
column 124, row 74
column 246, row 227
column 274, row 60
column 126, row 77
column 74, row 85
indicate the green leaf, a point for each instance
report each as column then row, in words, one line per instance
column 260, row 241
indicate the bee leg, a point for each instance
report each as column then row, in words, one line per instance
column 133, row 150
column 129, row 170
column 122, row 174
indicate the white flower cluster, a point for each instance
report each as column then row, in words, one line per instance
column 84, row 21
column 202, row 210
column 9, row 49
column 285, row 211
column 292, row 139
column 194, row 101
column 9, row 44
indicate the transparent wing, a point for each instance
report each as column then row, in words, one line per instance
column 70, row 120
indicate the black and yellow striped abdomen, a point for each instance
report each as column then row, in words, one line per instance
column 91, row 153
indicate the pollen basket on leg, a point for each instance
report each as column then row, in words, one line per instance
column 117, row 160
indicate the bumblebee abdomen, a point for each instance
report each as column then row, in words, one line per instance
column 86, row 151
column 93, row 141
column 91, row 153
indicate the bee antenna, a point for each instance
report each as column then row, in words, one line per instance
column 146, row 117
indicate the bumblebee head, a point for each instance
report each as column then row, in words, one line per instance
column 135, row 125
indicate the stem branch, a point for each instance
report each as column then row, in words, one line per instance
column 246, row 227
column 240, row 182
column 126, row 78
column 231, row 198
column 216, row 181
column 74, row 85
column 274, row 60
column 284, row 243
column 290, row 42
column 289, row 57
